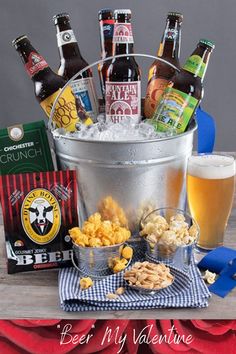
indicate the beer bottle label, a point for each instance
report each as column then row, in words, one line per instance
column 170, row 33
column 35, row 64
column 123, row 33
column 85, row 90
column 65, row 114
column 155, row 89
column 108, row 27
column 123, row 101
column 195, row 65
column 174, row 111
column 65, row 37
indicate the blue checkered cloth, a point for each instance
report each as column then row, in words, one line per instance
column 187, row 290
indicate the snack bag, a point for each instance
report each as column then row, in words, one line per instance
column 25, row 148
column 38, row 210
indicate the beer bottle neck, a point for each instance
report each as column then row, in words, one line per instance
column 66, row 41
column 34, row 63
column 106, row 34
column 170, row 45
column 123, row 48
column 197, row 63
column 123, row 42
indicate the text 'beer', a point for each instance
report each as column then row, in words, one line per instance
column 106, row 24
column 47, row 86
column 123, row 86
column 181, row 98
column 160, row 74
column 210, row 187
column 72, row 62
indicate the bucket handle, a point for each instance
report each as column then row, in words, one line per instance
column 51, row 124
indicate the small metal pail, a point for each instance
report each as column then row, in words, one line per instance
column 94, row 261
column 178, row 256
column 137, row 175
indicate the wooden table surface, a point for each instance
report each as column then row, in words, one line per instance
column 35, row 295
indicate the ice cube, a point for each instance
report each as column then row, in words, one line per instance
column 107, row 131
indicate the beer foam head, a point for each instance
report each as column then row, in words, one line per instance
column 211, row 166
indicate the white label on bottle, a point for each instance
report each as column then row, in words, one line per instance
column 65, row 37
column 123, row 33
column 123, row 101
column 171, row 33
column 84, row 89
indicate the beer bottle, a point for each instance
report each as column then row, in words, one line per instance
column 47, row 85
column 71, row 61
column 123, row 86
column 181, row 98
column 160, row 74
column 106, row 23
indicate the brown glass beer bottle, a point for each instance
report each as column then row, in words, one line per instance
column 180, row 100
column 160, row 73
column 106, row 24
column 47, row 85
column 71, row 62
column 123, row 86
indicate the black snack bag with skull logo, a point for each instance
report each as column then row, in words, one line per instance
column 38, row 210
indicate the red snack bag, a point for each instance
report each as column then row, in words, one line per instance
column 38, row 210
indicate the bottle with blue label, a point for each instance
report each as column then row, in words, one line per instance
column 181, row 98
column 71, row 62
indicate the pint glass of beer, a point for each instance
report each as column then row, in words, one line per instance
column 210, row 188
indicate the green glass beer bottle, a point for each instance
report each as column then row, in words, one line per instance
column 181, row 98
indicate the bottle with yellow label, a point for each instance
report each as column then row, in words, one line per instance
column 160, row 74
column 71, row 62
column 47, row 85
column 180, row 99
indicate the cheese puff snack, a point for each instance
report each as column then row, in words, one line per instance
column 85, row 283
column 120, row 265
column 97, row 233
column 117, row 264
column 110, row 210
column 79, row 237
column 127, row 252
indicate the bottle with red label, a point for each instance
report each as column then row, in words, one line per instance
column 106, row 24
column 47, row 86
column 123, row 85
column 72, row 62
column 160, row 74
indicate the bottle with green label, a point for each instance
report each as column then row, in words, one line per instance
column 183, row 95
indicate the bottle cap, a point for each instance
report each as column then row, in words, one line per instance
column 104, row 12
column 175, row 14
column 208, row 43
column 61, row 15
column 19, row 39
column 122, row 11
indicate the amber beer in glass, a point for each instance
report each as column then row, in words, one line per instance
column 210, row 187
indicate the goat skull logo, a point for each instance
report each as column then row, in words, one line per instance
column 40, row 216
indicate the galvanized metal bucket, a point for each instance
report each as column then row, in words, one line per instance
column 138, row 175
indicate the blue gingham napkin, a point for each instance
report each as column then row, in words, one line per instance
column 188, row 290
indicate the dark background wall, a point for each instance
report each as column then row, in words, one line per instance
column 213, row 19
